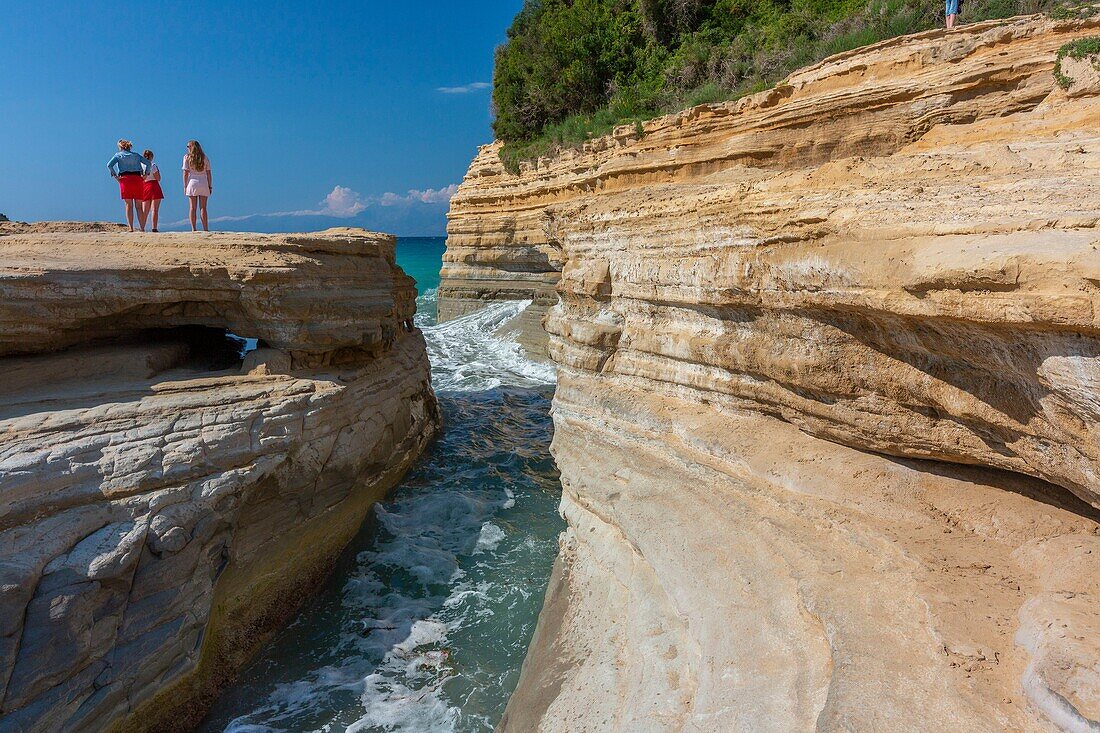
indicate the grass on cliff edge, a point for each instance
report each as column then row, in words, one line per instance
column 572, row 70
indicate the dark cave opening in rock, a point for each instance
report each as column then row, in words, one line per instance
column 210, row 349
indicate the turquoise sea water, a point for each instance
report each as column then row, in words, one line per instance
column 421, row 257
column 424, row 624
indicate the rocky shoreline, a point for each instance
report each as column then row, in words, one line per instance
column 827, row 414
column 164, row 505
column 829, row 396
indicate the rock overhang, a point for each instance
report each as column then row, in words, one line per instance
column 303, row 293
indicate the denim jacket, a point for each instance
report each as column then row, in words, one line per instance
column 127, row 161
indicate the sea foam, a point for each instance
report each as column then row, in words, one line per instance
column 411, row 640
column 467, row 354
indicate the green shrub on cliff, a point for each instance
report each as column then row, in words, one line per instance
column 1080, row 49
column 573, row 69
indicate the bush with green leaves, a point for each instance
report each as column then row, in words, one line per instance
column 1082, row 48
column 573, row 69
column 1074, row 12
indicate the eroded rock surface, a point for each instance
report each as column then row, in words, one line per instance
column 725, row 571
column 298, row 292
column 55, row 227
column 802, row 339
column 164, row 507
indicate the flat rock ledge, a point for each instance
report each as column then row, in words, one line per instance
column 828, row 404
column 164, row 505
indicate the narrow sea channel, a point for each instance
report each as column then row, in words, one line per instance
column 425, row 622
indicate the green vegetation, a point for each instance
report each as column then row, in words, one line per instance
column 1077, row 50
column 572, row 70
column 1070, row 12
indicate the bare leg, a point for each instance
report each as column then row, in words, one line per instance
column 156, row 213
column 950, row 21
column 202, row 207
column 130, row 213
column 193, row 204
column 143, row 213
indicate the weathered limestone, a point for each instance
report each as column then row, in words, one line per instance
column 801, row 339
column 54, row 227
column 297, row 292
column 161, row 514
column 503, row 238
column 725, row 571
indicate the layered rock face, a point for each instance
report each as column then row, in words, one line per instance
column 498, row 248
column 828, row 403
column 164, row 506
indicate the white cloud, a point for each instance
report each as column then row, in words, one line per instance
column 427, row 196
column 466, row 88
column 341, row 202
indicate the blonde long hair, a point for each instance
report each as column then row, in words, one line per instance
column 196, row 159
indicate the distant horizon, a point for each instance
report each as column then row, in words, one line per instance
column 239, row 228
column 366, row 115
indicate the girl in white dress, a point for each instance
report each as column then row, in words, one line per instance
column 198, row 182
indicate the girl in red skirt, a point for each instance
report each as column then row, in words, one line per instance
column 152, row 193
column 128, row 168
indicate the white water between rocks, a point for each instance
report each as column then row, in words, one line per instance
column 424, row 624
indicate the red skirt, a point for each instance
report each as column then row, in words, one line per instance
column 152, row 191
column 131, row 187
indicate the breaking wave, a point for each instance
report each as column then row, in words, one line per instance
column 468, row 353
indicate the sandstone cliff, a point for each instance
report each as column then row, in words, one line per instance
column 828, row 414
column 163, row 507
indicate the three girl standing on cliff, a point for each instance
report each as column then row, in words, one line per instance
column 139, row 184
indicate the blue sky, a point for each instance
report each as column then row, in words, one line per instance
column 321, row 112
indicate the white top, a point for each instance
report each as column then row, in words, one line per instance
column 187, row 167
column 153, row 171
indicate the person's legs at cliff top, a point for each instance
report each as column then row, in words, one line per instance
column 193, row 204
column 130, row 203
